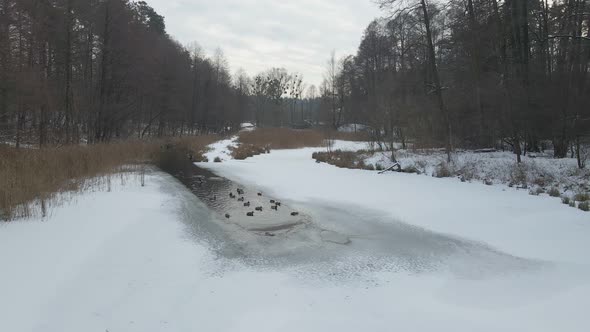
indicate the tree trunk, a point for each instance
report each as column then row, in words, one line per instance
column 476, row 69
column 437, row 84
column 68, row 73
column 5, row 51
column 100, row 131
column 517, row 148
column 581, row 163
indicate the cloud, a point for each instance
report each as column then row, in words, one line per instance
column 259, row 34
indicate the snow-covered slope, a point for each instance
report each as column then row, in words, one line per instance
column 146, row 259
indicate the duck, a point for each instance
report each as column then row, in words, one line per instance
column 278, row 203
column 250, row 214
column 274, row 207
column 259, row 194
column 294, row 214
column 272, row 201
column 259, row 208
column 231, row 195
column 241, row 199
column 227, row 215
column 247, row 204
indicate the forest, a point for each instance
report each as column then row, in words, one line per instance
column 471, row 74
column 452, row 74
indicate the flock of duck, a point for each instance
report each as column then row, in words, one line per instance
column 274, row 205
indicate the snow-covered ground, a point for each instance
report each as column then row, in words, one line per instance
column 220, row 149
column 353, row 128
column 154, row 258
column 247, row 126
column 537, row 170
column 509, row 221
column 472, row 210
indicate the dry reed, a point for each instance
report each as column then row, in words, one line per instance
column 344, row 159
column 31, row 176
column 282, row 138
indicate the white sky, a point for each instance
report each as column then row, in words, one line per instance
column 258, row 34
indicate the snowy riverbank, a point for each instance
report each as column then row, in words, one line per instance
column 536, row 170
column 154, row 258
column 506, row 218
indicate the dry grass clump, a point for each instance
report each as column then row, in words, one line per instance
column 359, row 136
column 518, row 176
column 411, row 169
column 582, row 197
column 37, row 175
column 244, row 151
column 255, row 141
column 554, row 192
column 196, row 146
column 282, row 138
column 443, row 171
column 344, row 159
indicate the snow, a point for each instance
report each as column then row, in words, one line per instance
column 97, row 263
column 471, row 210
column 154, row 258
column 221, row 149
column 247, row 126
column 512, row 222
column 353, row 128
column 348, row 145
column 539, row 170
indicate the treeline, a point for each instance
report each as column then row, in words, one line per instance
column 454, row 74
column 470, row 73
column 278, row 98
column 96, row 70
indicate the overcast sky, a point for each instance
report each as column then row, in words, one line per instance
column 258, row 34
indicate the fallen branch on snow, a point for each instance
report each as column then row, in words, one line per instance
column 393, row 168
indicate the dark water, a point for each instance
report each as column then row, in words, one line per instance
column 231, row 200
column 324, row 239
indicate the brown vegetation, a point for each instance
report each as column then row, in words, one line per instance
column 554, row 192
column 244, row 151
column 282, row 138
column 443, row 171
column 37, row 175
column 582, row 197
column 344, row 159
column 262, row 140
